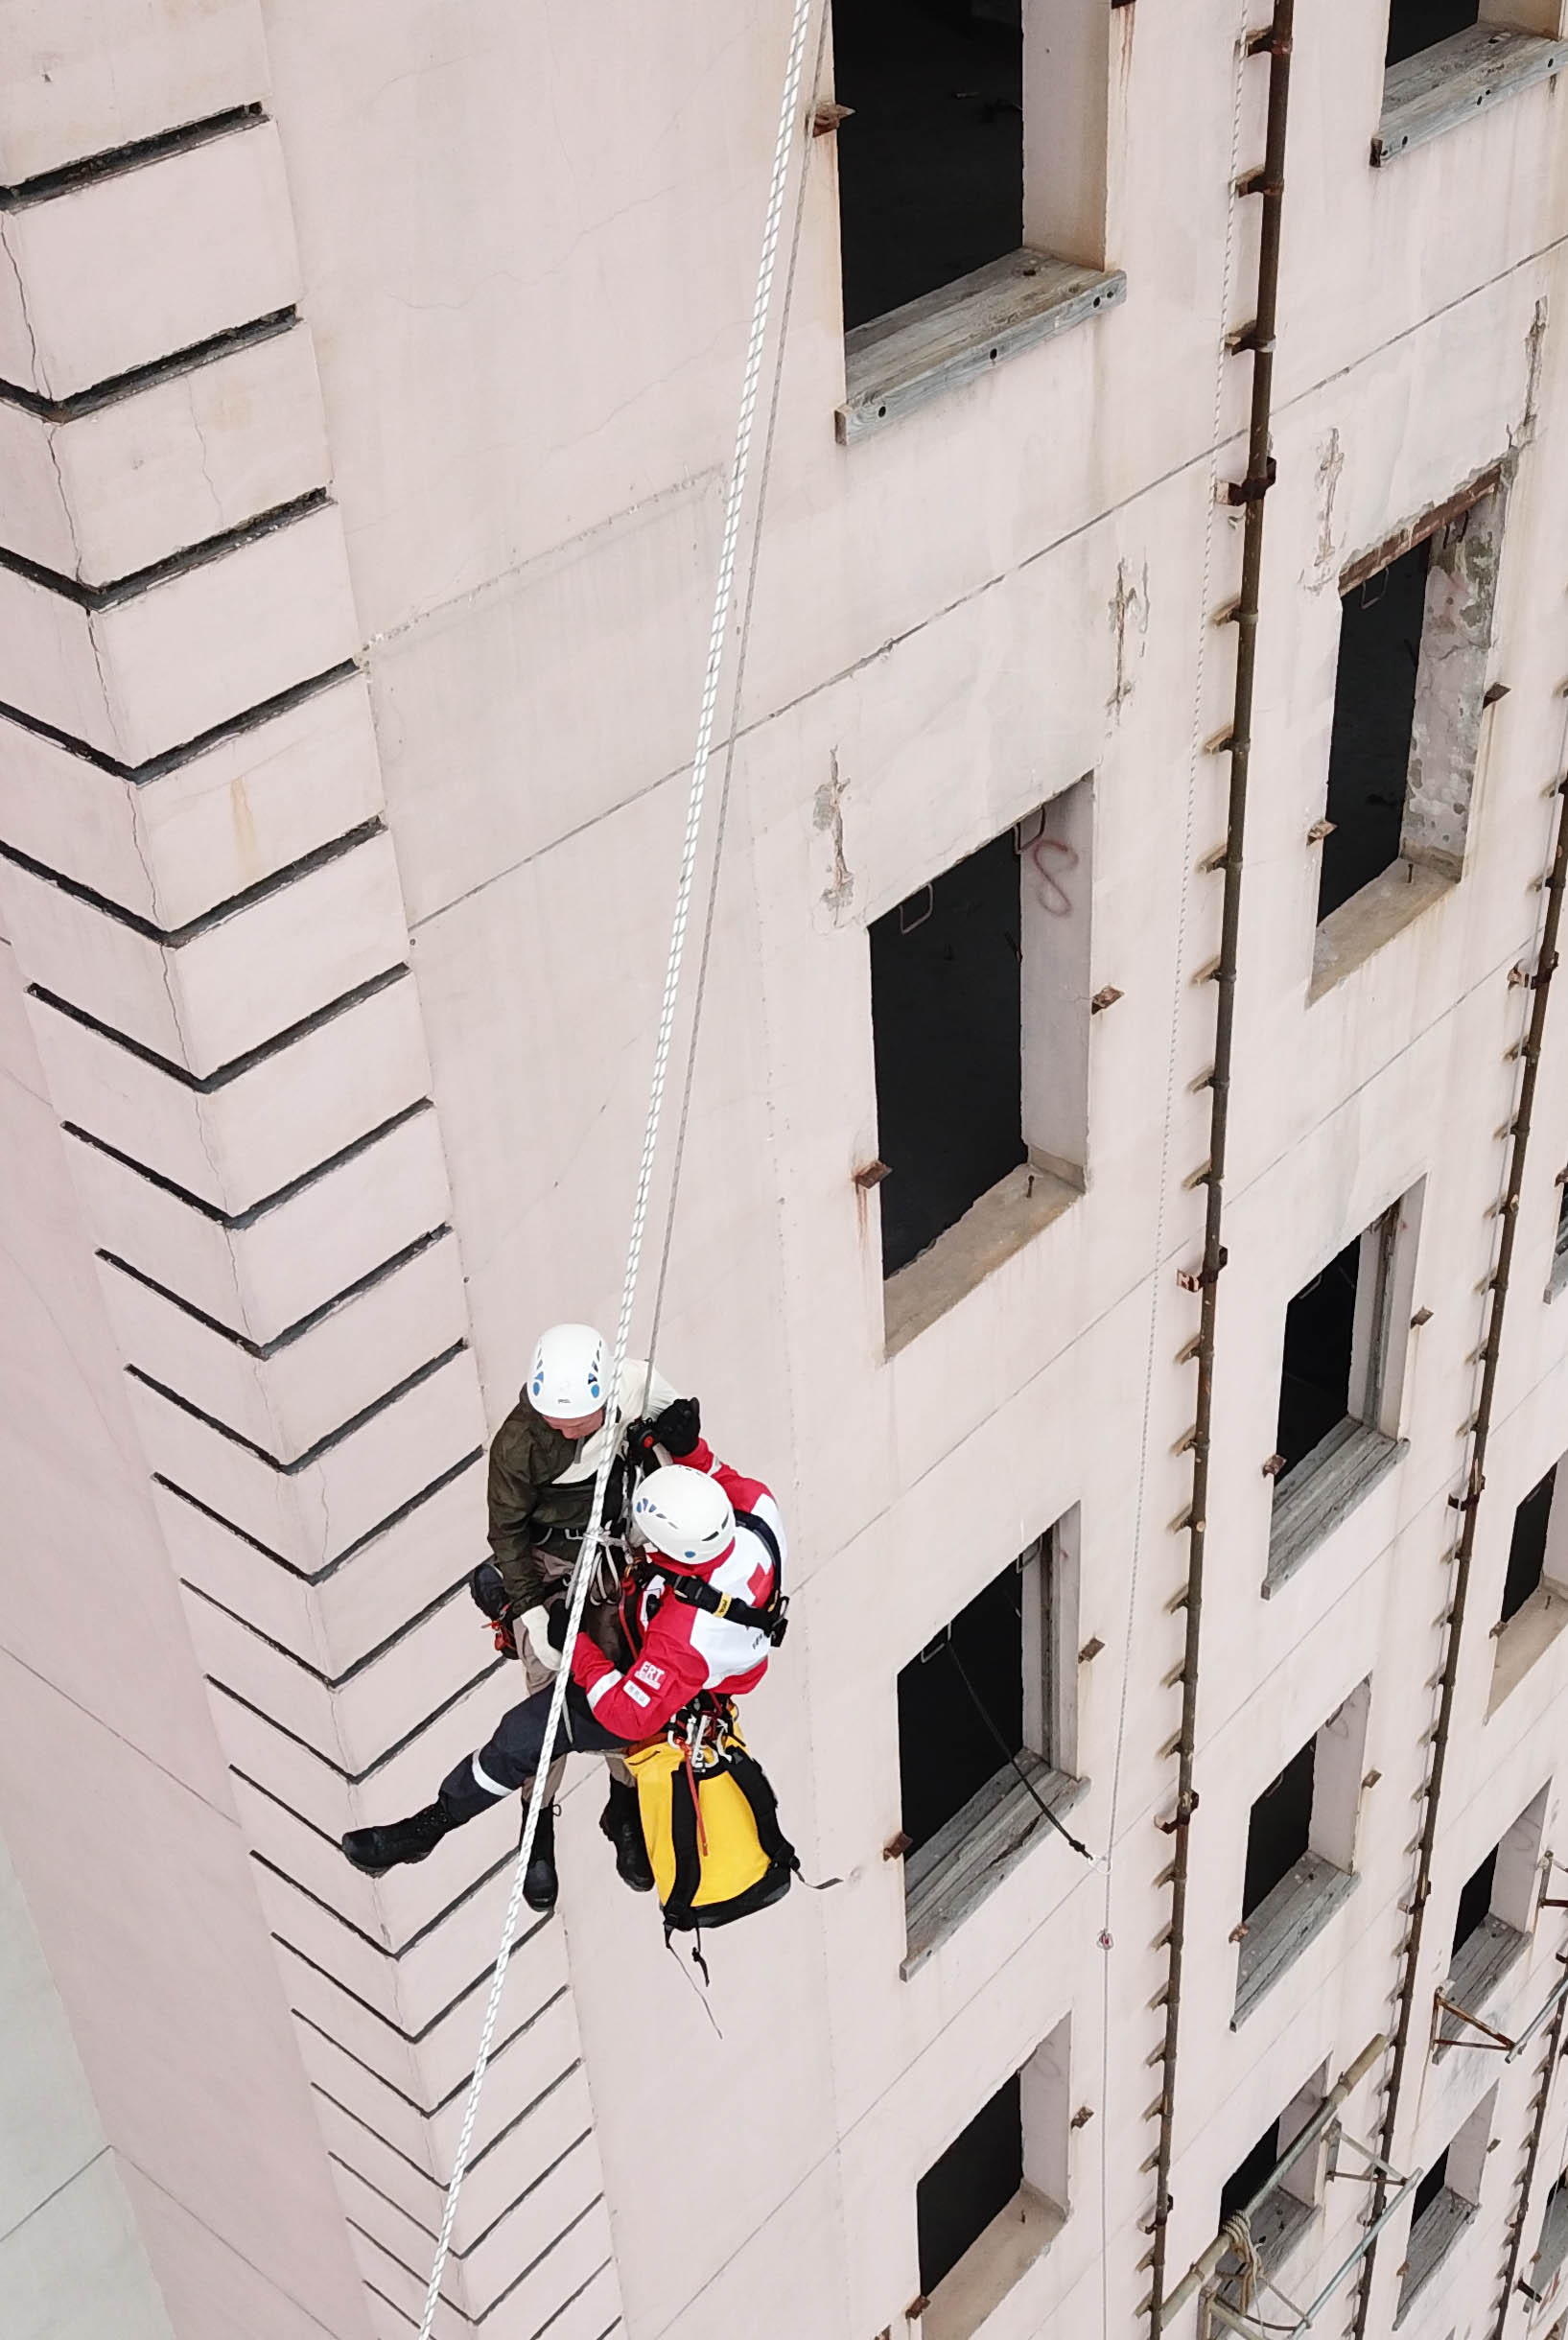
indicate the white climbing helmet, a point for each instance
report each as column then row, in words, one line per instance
column 683, row 1515
column 566, row 1380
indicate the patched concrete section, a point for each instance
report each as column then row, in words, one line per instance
column 1451, row 684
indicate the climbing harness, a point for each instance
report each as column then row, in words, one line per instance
column 789, row 131
column 771, row 1618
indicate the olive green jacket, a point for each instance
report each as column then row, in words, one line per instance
column 530, row 1513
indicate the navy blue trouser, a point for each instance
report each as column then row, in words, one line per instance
column 510, row 1756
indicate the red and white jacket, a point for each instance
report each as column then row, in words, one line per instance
column 681, row 1649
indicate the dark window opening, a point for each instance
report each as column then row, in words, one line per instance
column 1249, row 2175
column 1527, row 1546
column 1315, row 1382
column 1277, row 1830
column 931, row 162
column 977, row 2176
column 947, row 1749
column 1415, row 25
column 1374, row 707
column 1475, row 1900
column 1559, row 1247
column 1430, row 2186
column 945, row 1004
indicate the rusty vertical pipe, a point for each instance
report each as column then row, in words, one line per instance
column 1469, row 1504
column 1251, row 493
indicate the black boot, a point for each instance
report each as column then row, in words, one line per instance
column 375, row 1850
column 622, row 1823
column 541, row 1885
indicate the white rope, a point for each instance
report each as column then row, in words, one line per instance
column 733, row 503
column 732, row 737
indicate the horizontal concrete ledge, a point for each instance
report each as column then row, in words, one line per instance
column 262, row 1350
column 204, row 1084
column 323, row 1446
column 388, row 1950
column 948, row 337
column 355, row 1779
column 147, row 377
column 411, row 2039
column 330, row 1681
column 430, row 2111
column 384, row 2251
column 234, row 906
column 237, row 1221
column 96, row 597
column 1325, row 1489
column 351, row 1552
column 48, row 185
column 1455, row 79
column 169, row 758
column 485, row 2313
column 1283, row 1924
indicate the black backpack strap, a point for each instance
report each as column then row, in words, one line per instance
column 771, row 1620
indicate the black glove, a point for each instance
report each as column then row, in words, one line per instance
column 488, row 1593
column 555, row 1629
column 490, row 1596
column 677, row 1430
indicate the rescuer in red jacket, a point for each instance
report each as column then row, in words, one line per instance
column 699, row 1609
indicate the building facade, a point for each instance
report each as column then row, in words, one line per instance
column 367, row 384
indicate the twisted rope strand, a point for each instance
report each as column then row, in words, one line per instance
column 734, row 504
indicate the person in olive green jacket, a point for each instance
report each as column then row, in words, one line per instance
column 543, row 1462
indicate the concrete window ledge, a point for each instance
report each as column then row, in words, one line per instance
column 1004, row 1219
column 1528, row 1635
column 1451, row 83
column 1323, row 1488
column 1432, row 2237
column 1282, row 1924
column 998, row 2257
column 936, row 344
column 1554, row 2243
column 983, row 1843
column 1278, row 2225
column 1349, row 936
column 1479, row 1967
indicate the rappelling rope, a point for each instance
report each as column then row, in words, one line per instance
column 732, row 733
column 733, row 503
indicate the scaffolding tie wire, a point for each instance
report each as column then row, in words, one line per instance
column 735, row 498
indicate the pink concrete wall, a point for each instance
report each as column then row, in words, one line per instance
column 117, row 1808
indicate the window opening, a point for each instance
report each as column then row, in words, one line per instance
column 1527, row 1546
column 988, row 1737
column 930, row 161
column 1559, row 1241
column 1315, row 1380
column 980, row 1020
column 1475, row 1902
column 1430, row 2186
column 1279, row 1828
column 946, row 990
column 1342, row 1385
column 966, row 2186
column 993, row 2200
column 1248, row 2175
column 1445, row 2202
column 1415, row 25
column 945, row 1751
column 1410, row 694
column 1300, row 1855
column 1374, row 709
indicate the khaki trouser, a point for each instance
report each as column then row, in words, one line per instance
column 535, row 1677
